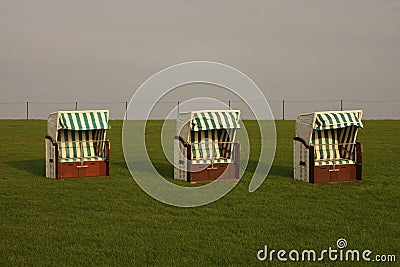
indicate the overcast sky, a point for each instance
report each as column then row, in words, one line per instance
column 103, row 50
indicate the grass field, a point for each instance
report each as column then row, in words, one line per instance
column 111, row 221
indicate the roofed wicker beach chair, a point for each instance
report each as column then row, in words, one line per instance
column 325, row 147
column 205, row 148
column 76, row 144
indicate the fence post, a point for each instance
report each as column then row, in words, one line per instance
column 27, row 110
column 126, row 110
column 341, row 105
column 283, row 110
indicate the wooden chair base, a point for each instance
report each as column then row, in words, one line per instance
column 68, row 170
column 209, row 173
column 337, row 173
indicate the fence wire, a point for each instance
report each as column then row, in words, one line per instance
column 281, row 109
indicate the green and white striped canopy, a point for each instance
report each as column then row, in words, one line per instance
column 83, row 120
column 215, row 119
column 337, row 119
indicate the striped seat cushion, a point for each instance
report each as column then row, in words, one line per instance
column 209, row 161
column 331, row 162
column 79, row 159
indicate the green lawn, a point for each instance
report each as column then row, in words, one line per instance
column 110, row 221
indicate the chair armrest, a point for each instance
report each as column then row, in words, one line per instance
column 54, row 142
column 186, row 144
column 301, row 140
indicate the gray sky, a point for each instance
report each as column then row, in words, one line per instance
column 103, row 50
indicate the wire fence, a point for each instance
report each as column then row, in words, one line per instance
column 281, row 109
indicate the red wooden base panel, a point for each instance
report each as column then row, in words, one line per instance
column 209, row 173
column 337, row 173
column 87, row 169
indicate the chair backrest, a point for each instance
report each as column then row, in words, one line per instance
column 326, row 144
column 78, row 144
column 211, row 144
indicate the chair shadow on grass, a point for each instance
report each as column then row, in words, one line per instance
column 167, row 170
column 37, row 167
column 34, row 166
column 164, row 168
column 120, row 164
column 282, row 171
column 285, row 171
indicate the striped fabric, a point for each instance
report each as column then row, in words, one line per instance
column 334, row 146
column 347, row 137
column 74, row 145
column 331, row 162
column 210, row 120
column 326, row 144
column 336, row 120
column 209, row 161
column 79, row 159
column 212, row 145
column 81, row 135
column 78, row 120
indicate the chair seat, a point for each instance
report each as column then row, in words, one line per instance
column 84, row 159
column 331, row 162
column 209, row 161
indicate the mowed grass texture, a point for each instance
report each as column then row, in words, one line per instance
column 110, row 221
